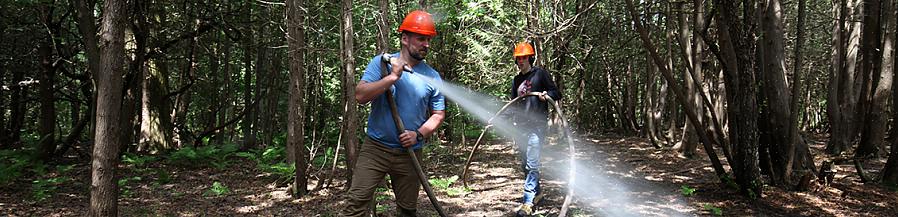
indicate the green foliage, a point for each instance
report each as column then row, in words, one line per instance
column 162, row 177
column 13, row 164
column 444, row 183
column 125, row 189
column 216, row 156
column 136, row 160
column 730, row 182
column 41, row 189
column 272, row 161
column 322, row 159
column 713, row 209
column 686, row 190
column 217, row 189
column 64, row 168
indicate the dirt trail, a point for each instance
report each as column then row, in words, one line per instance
column 606, row 184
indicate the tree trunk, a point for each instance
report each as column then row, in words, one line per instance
column 776, row 92
column 3, row 131
column 800, row 161
column 104, row 191
column 350, row 126
column 17, row 107
column 47, row 126
column 533, row 26
column 890, row 170
column 296, row 42
column 224, row 99
column 133, row 98
column 689, row 139
column 249, row 133
column 650, row 96
column 880, row 82
column 737, row 37
column 844, row 86
column 88, row 28
column 678, row 91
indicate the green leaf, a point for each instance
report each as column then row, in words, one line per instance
column 217, row 189
column 686, row 190
column 714, row 210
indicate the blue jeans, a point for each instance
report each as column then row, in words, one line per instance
column 529, row 149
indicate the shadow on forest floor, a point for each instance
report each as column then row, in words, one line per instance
column 616, row 176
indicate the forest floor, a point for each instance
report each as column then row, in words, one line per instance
column 615, row 176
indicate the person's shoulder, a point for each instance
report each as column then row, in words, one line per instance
column 540, row 69
column 426, row 68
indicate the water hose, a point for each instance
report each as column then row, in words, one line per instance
column 411, row 153
column 570, row 191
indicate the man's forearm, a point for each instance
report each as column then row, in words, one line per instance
column 366, row 91
column 432, row 123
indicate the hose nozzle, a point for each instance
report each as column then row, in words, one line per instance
column 388, row 58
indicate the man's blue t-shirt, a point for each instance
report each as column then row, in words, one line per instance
column 415, row 99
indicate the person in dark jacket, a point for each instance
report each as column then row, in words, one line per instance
column 531, row 119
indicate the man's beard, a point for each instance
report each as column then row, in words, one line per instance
column 417, row 55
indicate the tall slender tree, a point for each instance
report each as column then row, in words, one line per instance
column 104, row 192
column 296, row 50
column 350, row 123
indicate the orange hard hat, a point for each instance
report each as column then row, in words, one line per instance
column 418, row 22
column 523, row 49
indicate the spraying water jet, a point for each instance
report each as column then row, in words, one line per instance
column 567, row 132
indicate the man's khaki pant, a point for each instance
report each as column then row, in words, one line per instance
column 375, row 161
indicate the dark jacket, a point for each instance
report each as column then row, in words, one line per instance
column 530, row 111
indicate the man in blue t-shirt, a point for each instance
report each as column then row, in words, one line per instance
column 421, row 108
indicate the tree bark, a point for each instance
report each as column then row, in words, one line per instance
column 47, row 126
column 689, row 139
column 776, row 92
column 890, row 170
column 800, row 160
column 3, row 132
column 88, row 29
column 678, row 91
column 249, row 133
column 104, row 191
column 17, row 107
column 844, row 86
column 737, row 38
column 296, row 44
column 880, row 80
column 350, row 126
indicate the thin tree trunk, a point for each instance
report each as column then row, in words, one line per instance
column 799, row 157
column 650, row 95
column 678, row 91
column 689, row 140
column 88, row 28
column 844, row 88
column 249, row 133
column 133, row 98
column 890, row 171
column 296, row 42
column 104, row 191
column 224, row 99
column 17, row 107
column 3, row 132
column 46, row 128
column 776, row 92
column 880, row 81
column 349, row 128
column 737, row 39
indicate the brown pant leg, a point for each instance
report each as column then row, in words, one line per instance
column 406, row 183
column 372, row 165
